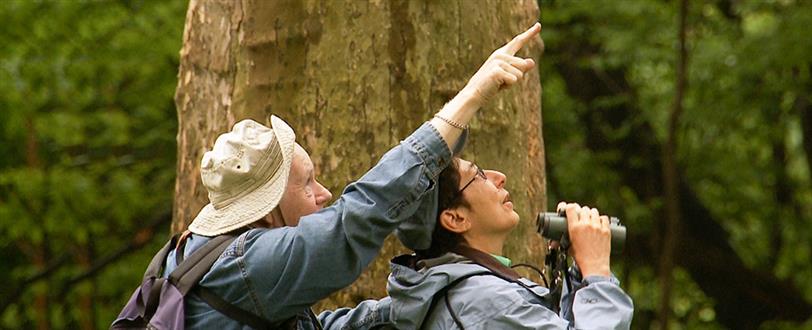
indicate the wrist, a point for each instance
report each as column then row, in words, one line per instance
column 450, row 122
column 599, row 270
column 598, row 279
column 460, row 109
column 469, row 96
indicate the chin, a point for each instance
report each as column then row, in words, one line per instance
column 516, row 221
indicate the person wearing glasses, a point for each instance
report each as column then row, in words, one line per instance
column 293, row 247
column 464, row 280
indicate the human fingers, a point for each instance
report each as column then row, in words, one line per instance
column 512, row 70
column 505, row 78
column 572, row 214
column 594, row 216
column 520, row 40
column 583, row 214
column 604, row 222
column 561, row 206
column 524, row 64
column 529, row 64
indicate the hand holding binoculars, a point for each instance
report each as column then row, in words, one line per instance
column 553, row 226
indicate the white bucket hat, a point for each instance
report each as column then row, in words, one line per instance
column 245, row 174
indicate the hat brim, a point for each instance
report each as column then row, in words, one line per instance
column 256, row 204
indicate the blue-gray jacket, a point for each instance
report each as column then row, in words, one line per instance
column 278, row 273
column 489, row 302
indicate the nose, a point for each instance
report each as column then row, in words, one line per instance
column 498, row 178
column 322, row 195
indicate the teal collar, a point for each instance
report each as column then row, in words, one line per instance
column 503, row 260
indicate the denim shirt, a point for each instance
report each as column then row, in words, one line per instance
column 278, row 273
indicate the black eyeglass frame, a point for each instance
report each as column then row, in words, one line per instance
column 479, row 173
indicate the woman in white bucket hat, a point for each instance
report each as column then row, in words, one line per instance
column 252, row 171
column 298, row 251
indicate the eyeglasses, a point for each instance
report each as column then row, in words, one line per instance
column 479, row 173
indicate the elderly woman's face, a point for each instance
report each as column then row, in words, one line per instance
column 303, row 195
column 490, row 207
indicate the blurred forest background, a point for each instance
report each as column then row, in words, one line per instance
column 88, row 152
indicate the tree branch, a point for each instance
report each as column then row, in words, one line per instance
column 19, row 288
column 139, row 239
column 744, row 297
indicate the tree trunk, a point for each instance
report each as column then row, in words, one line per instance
column 671, row 177
column 86, row 301
column 353, row 79
column 38, row 250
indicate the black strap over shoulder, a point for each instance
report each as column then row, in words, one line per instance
column 157, row 263
column 154, row 272
column 442, row 293
column 191, row 270
column 486, row 260
column 490, row 263
column 235, row 313
column 187, row 275
column 494, row 268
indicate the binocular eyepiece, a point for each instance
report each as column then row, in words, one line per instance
column 553, row 226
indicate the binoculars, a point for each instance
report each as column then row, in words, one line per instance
column 553, row 226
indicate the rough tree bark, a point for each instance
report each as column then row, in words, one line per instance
column 352, row 79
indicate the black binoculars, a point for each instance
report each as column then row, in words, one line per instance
column 553, row 226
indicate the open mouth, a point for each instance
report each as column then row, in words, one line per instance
column 507, row 199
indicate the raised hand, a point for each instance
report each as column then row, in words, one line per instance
column 502, row 69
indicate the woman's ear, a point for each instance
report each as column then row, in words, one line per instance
column 454, row 221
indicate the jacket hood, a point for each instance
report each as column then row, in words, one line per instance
column 413, row 284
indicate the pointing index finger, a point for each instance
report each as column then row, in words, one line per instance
column 520, row 40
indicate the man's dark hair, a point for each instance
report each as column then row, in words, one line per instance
column 448, row 185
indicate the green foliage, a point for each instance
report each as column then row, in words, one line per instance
column 88, row 148
column 748, row 66
column 87, row 138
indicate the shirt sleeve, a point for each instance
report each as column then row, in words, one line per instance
column 596, row 302
column 368, row 314
column 599, row 314
column 599, row 304
column 288, row 269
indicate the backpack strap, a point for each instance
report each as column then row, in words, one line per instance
column 191, row 270
column 187, row 275
column 154, row 298
column 157, row 263
column 148, row 308
column 235, row 313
